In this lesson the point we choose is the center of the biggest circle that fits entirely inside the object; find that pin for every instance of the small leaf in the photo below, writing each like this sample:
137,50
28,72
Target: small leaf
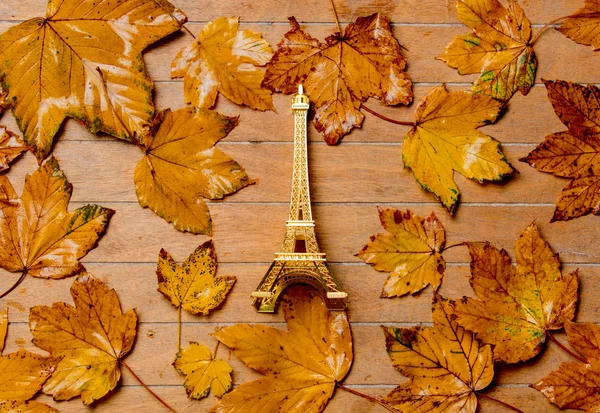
445,139
338,75
38,234
203,373
84,61
445,363
224,60
410,251
498,48
193,286
22,374
575,153
11,147
516,306
292,379
92,338
583,25
181,167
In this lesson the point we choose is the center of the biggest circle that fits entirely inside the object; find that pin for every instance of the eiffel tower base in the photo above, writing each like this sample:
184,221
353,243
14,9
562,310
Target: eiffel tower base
283,273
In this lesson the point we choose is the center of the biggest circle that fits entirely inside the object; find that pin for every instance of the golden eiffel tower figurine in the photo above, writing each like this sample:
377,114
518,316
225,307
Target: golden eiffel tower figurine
299,260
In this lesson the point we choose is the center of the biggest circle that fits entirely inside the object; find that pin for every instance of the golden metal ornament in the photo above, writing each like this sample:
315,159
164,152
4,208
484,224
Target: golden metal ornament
299,260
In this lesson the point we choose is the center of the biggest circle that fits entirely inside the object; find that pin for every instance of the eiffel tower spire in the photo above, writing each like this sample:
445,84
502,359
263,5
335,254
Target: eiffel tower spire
299,260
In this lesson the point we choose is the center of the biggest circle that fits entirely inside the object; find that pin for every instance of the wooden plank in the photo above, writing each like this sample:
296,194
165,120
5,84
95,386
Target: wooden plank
399,11
527,120
156,346
136,284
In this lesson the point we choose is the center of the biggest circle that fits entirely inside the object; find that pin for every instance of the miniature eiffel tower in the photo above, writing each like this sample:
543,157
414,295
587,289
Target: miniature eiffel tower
299,260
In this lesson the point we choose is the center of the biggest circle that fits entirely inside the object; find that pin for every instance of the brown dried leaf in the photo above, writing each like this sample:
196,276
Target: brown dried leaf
338,75
583,26
575,153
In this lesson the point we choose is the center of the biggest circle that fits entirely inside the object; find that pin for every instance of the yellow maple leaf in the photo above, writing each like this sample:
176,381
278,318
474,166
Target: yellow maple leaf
3,328
445,363
15,406
445,139
516,306
410,250
22,374
582,26
576,385
37,233
92,338
181,166
294,381
203,373
193,285
499,48
84,61
338,75
224,60
11,147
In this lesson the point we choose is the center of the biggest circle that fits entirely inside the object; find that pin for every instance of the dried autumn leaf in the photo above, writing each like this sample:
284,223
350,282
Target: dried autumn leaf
181,166
22,374
37,233
445,139
84,61
294,381
583,25
203,373
410,250
498,48
193,285
226,60
11,147
445,363
366,61
516,306
576,385
3,328
575,153
92,338
15,406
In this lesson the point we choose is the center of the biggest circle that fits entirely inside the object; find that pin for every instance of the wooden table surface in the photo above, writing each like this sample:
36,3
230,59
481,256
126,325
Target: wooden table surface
348,182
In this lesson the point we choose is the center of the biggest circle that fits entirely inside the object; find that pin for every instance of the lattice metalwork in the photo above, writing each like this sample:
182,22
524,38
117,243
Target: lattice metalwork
300,260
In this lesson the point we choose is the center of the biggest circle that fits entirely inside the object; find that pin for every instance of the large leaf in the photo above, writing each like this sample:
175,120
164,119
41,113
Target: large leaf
583,26
193,285
516,306
84,61
37,233
410,250
445,139
575,153
224,60
498,48
445,363
181,167
338,75
300,366
91,338
203,373
576,385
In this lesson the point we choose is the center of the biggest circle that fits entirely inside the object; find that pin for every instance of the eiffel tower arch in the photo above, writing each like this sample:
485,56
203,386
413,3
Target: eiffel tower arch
299,260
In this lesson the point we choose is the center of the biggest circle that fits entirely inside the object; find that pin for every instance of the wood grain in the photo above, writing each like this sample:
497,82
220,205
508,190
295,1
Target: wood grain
348,182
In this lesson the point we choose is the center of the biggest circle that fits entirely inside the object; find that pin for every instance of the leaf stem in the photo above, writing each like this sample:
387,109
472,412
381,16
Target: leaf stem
337,21
366,396
562,346
455,245
385,118
184,27
559,19
145,386
216,348
179,329
15,285
510,406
